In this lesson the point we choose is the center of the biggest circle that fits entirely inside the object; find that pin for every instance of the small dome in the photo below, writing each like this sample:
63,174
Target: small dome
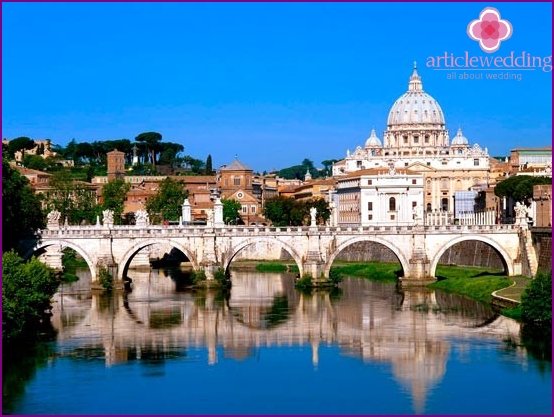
373,140
460,139
415,106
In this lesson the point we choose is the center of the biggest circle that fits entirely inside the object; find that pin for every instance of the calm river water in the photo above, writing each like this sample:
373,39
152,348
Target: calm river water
266,348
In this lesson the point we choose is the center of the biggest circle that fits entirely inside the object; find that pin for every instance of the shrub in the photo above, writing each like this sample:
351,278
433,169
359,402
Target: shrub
335,276
304,282
27,288
536,301
106,279
198,275
221,276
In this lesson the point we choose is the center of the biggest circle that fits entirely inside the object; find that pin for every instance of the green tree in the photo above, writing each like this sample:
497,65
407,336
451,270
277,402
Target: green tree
536,301
35,162
209,168
113,195
231,211
61,195
27,288
84,151
284,211
519,187
70,149
328,166
169,153
22,144
152,141
21,208
75,201
167,203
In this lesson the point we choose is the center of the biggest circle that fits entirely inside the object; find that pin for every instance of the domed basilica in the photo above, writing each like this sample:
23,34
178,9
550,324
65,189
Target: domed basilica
416,143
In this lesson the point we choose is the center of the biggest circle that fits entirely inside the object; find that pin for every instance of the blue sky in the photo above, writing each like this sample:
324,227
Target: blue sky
273,83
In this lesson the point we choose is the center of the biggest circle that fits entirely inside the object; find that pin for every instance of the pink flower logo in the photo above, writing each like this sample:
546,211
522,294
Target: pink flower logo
490,30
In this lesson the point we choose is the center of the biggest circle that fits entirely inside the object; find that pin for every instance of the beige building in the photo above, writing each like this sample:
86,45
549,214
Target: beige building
529,160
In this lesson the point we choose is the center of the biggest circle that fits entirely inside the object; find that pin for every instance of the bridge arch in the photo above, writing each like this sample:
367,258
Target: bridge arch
504,256
397,252
253,240
65,244
132,251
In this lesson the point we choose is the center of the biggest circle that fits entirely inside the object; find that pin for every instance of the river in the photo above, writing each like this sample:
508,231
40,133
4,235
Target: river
266,348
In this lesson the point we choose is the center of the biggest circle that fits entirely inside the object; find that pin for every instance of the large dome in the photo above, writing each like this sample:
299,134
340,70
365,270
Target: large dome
416,107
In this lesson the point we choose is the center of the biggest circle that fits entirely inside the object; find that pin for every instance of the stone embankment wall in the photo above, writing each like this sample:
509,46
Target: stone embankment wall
470,253
542,241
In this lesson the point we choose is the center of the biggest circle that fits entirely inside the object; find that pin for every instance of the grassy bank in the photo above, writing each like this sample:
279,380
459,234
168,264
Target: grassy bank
376,271
475,283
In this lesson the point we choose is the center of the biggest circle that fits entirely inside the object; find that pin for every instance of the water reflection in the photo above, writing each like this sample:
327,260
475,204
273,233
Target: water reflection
376,322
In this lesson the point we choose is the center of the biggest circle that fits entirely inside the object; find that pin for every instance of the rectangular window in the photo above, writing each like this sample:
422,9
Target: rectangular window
369,182
370,206
416,139
414,204
414,181
476,162
236,181
244,209
370,216
253,209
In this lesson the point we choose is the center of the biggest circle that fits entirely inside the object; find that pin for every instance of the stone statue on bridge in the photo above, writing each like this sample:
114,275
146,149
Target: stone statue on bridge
53,219
107,219
521,214
313,213
417,214
142,218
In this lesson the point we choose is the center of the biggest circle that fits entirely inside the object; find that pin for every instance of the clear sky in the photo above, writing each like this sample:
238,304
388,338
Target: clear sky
273,83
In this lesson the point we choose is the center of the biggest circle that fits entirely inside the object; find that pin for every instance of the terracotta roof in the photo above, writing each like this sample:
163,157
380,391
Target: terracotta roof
236,165
28,171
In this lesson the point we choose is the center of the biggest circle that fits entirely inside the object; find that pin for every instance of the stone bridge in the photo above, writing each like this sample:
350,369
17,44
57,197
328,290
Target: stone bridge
418,248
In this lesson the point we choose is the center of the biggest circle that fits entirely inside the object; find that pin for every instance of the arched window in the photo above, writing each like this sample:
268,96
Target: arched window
444,204
429,209
392,204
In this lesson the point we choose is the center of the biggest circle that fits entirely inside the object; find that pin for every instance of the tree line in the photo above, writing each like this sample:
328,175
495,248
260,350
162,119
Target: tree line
148,147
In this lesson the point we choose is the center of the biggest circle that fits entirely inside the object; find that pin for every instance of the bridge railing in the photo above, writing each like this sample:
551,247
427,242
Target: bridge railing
180,231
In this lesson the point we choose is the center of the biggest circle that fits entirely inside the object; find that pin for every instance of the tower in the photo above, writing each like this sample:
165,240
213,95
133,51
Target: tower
116,164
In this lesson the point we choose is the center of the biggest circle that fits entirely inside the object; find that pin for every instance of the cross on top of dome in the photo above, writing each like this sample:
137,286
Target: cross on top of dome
415,81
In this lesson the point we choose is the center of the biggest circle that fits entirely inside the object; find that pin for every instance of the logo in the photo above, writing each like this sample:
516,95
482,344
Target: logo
490,30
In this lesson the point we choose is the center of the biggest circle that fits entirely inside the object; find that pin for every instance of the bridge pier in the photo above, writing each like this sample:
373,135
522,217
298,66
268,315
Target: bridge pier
419,271
53,257
314,265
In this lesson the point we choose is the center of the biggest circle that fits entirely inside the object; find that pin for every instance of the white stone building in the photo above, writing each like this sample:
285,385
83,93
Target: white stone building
416,139
380,196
